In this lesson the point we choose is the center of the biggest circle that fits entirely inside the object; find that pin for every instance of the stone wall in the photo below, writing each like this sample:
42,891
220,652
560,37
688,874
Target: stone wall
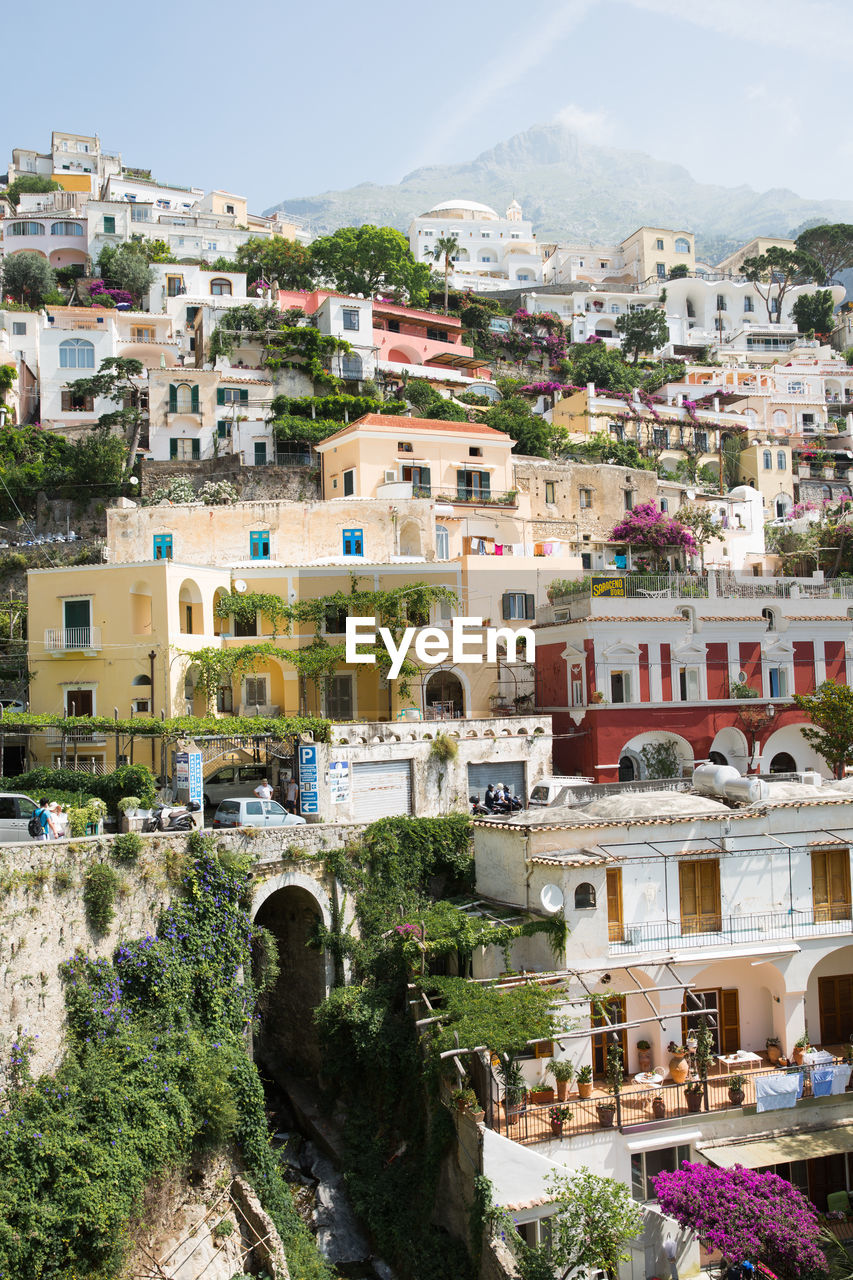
43,920
253,484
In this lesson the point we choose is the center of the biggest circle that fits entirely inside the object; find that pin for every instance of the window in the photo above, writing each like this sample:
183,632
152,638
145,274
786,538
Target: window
339,698
351,319
699,896
76,353
646,1165
259,544
19,328
748,304
664,504
229,208
660,268
220,288
471,485
682,245
225,698
620,686
585,498
349,483
352,367
577,693
688,684
260,453
140,214
175,285
25,229
109,224
768,460
403,446
808,422
232,395
66,229
353,540
770,618
661,437
420,479
74,402
335,622
185,450
659,245
550,491
474,451
701,440
584,897
517,606
629,499
831,884
393,326
183,398
781,461
778,678
211,246
436,335
442,542
255,691
485,235
721,302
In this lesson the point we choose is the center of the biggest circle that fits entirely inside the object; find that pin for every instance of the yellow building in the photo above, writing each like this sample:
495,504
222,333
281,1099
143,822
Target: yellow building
754,249
766,465
650,253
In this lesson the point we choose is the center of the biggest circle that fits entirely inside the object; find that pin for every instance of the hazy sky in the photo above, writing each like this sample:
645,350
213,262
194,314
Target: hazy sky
283,99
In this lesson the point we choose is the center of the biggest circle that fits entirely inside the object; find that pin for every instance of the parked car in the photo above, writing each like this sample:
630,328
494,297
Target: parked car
240,811
233,780
15,813
555,790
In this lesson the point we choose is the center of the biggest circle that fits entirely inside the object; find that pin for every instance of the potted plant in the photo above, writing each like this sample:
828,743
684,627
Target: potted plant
800,1047
541,1094
614,1076
558,1116
563,1072
658,1106
693,1093
464,1097
736,1084
606,1112
644,1055
584,1079
515,1089
678,1064
773,1045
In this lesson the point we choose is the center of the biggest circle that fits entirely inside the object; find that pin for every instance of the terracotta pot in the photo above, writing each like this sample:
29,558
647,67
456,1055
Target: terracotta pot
584,1088
658,1108
606,1116
774,1053
557,1128
644,1057
736,1096
797,1056
477,1116
694,1101
563,1087
541,1097
678,1069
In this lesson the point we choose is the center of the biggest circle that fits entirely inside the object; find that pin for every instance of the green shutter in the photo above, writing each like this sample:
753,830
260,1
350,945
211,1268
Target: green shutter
426,482
461,486
173,398
505,605
485,484
173,448
220,395
529,606
244,395
194,400
196,446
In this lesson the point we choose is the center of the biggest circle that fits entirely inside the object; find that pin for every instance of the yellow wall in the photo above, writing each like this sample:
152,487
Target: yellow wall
641,250
770,484
74,181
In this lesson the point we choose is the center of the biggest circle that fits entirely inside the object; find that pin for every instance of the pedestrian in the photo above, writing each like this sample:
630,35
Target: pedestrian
291,795
42,819
263,790
489,798
54,821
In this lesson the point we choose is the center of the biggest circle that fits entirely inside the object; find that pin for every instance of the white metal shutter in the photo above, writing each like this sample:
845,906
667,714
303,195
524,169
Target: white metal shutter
382,789
512,772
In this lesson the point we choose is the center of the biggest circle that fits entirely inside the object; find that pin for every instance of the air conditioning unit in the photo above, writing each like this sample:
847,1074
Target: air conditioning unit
390,477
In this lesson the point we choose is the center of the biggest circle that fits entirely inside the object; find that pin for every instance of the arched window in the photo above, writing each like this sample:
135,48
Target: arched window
184,397
780,418
826,492
783,762
664,504
486,257
442,542
66,229
781,461
584,897
768,460
770,618
682,245
220,288
351,367
76,353
25,229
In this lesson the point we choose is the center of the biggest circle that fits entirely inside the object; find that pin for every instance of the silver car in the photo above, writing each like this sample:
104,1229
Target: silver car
251,812
15,813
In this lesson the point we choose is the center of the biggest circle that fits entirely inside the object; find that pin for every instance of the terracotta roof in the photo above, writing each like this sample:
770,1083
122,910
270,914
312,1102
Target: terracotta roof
391,422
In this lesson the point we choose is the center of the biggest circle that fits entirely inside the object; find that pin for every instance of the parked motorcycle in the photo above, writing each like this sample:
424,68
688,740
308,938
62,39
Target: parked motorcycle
477,809
167,817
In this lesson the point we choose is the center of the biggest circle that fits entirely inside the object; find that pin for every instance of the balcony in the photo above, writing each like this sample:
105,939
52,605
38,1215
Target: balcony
75,737
72,639
731,931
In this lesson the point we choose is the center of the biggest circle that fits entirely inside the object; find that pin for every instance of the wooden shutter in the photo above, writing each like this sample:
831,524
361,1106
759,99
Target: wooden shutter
699,896
173,398
615,923
728,1020
831,884
173,448
529,606
66,401
220,395
835,997
194,399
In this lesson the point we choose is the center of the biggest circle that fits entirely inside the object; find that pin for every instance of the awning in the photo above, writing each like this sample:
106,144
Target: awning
457,361
805,1144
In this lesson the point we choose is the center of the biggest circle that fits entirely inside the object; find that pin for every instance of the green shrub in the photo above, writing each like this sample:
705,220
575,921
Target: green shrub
100,888
443,748
127,847
135,780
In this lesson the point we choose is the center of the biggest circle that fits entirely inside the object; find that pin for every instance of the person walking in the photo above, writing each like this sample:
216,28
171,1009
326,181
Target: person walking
42,818
263,790
291,795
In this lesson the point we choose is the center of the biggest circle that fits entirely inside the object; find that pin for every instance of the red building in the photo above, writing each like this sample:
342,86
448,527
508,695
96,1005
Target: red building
666,663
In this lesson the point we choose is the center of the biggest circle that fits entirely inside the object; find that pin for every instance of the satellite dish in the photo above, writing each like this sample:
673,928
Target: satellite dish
691,493
551,898
240,586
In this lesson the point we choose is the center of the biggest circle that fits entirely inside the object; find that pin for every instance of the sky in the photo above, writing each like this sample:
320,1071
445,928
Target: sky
291,99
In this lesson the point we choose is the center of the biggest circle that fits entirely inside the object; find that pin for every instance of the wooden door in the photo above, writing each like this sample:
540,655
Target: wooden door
826,1174
835,999
729,1020
79,702
615,921
699,896
601,1043
831,884
725,1033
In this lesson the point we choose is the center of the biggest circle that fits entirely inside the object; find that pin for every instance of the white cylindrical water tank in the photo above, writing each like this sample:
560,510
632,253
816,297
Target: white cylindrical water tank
747,790
712,778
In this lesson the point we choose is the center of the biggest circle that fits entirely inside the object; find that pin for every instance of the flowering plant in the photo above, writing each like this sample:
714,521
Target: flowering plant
648,527
559,1115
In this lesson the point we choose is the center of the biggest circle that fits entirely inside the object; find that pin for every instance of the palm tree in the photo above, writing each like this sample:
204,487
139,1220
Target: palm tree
445,247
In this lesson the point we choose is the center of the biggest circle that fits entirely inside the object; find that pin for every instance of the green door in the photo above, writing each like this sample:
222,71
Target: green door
78,623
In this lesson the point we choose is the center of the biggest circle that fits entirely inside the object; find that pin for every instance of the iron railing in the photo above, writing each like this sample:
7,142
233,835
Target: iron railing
68,638
657,935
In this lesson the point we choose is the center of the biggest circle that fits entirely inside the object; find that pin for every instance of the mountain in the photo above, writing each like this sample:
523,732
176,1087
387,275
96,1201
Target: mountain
573,190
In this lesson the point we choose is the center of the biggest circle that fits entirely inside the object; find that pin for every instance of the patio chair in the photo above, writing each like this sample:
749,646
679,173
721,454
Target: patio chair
838,1202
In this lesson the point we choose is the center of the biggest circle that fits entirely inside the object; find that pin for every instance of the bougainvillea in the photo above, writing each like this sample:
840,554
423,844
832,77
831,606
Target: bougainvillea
652,530
745,1215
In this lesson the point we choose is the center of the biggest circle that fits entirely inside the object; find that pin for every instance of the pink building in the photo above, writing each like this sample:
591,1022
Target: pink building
405,336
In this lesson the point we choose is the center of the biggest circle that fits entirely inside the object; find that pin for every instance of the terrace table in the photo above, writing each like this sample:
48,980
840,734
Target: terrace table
648,1080
743,1058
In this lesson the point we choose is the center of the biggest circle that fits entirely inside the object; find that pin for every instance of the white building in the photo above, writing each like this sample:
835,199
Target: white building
591,311
731,315
75,160
492,250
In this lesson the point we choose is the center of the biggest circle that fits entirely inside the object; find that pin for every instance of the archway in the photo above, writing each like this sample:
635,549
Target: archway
783,762
410,539
730,747
286,1036
627,769
190,608
444,696
790,740
677,748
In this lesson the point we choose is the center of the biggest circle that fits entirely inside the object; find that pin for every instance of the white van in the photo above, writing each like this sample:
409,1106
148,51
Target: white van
15,813
231,780
555,790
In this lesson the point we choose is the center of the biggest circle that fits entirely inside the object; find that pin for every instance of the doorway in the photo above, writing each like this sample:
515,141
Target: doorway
615,1008
835,1001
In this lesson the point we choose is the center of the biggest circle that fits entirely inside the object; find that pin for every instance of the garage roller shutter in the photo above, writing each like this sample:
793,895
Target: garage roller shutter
511,772
382,789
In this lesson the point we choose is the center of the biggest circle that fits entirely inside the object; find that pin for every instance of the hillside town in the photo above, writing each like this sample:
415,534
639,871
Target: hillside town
426,711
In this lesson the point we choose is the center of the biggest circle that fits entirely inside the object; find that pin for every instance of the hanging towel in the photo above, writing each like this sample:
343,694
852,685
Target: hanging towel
499,550
840,1077
822,1080
548,548
775,1092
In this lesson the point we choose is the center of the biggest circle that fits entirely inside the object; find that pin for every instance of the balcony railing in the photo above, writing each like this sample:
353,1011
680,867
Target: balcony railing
293,457
678,586
53,737
66,639
662,935
471,497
